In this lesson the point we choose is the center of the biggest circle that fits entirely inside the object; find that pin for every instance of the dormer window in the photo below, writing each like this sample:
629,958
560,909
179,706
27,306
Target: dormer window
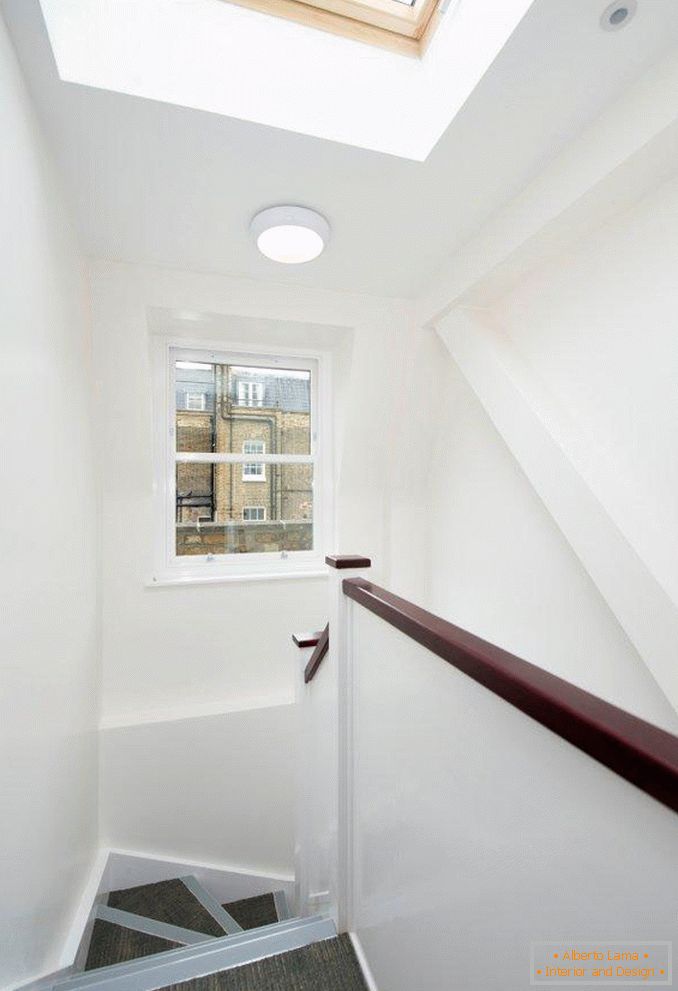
250,394
196,401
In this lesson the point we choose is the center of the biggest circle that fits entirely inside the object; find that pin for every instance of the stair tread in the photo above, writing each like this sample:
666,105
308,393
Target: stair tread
111,944
258,910
330,965
167,901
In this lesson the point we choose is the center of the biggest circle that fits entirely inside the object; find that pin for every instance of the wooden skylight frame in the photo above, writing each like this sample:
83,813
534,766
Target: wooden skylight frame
393,24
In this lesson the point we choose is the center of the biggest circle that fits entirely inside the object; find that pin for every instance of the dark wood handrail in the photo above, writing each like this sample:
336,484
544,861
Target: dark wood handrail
635,749
321,641
344,561
316,657
307,639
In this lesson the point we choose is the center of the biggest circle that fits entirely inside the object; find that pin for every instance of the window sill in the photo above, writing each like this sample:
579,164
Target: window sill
169,580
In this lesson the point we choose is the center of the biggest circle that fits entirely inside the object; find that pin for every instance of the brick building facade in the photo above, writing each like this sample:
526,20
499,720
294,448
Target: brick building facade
231,508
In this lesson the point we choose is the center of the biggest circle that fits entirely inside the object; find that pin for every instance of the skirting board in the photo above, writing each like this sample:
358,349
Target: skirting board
78,931
83,919
362,960
44,983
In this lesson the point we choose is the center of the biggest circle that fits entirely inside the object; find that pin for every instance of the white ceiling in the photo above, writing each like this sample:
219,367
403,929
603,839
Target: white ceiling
160,184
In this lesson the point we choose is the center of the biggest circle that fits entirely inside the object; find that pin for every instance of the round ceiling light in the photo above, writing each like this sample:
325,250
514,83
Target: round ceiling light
617,15
291,235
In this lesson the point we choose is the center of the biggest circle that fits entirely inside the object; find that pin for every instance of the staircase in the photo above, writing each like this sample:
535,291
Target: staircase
174,932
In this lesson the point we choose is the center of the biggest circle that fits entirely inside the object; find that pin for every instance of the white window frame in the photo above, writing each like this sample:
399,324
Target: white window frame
254,477
168,568
203,402
247,396
259,509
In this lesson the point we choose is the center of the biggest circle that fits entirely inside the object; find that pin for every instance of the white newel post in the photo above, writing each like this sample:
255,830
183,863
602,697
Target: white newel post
323,844
341,568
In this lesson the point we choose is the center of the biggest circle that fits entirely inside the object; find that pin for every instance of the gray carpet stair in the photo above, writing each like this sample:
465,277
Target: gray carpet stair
168,935
252,912
185,964
329,965
167,901
111,944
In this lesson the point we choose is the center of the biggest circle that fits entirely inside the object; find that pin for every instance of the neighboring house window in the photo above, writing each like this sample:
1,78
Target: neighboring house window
196,400
264,419
254,514
253,472
250,394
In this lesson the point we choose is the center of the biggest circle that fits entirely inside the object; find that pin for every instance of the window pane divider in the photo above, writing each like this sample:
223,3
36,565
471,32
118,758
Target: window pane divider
212,457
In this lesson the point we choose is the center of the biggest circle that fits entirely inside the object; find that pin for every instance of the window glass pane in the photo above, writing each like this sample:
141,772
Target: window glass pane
221,407
196,401
254,514
218,512
195,493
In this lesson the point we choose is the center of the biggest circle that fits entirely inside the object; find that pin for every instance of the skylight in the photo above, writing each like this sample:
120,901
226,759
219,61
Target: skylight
403,26
276,71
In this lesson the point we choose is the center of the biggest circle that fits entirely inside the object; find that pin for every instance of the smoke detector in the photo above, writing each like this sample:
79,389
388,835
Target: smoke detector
617,15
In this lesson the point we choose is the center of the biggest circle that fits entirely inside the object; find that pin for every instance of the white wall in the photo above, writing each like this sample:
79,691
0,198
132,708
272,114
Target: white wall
576,367
171,651
469,538
597,326
175,657
501,568
558,313
410,478
215,789
49,632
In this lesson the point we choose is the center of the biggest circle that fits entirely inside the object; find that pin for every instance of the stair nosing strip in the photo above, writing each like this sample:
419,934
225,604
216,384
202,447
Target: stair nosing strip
152,927
183,953
160,973
211,905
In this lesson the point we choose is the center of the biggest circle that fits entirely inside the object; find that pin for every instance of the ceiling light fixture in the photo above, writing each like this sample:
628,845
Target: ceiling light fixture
617,15
291,235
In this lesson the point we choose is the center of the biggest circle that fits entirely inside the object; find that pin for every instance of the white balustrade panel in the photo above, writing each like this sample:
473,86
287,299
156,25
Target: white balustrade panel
476,831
